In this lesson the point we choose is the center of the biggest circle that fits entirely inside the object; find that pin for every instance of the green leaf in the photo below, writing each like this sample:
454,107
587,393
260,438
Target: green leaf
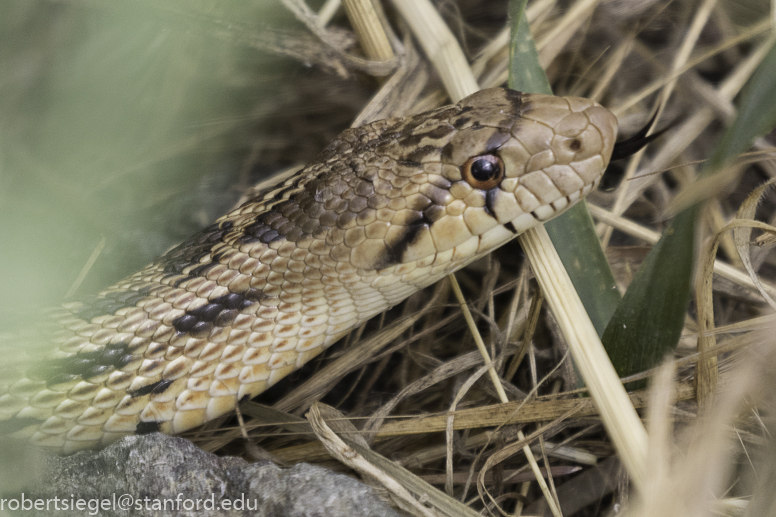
648,321
756,114
574,236
572,233
525,72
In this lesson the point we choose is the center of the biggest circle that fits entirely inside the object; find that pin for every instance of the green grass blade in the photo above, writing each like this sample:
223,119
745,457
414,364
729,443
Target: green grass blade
578,246
756,114
525,72
572,233
648,321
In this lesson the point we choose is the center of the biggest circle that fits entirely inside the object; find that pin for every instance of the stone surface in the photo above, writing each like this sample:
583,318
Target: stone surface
138,475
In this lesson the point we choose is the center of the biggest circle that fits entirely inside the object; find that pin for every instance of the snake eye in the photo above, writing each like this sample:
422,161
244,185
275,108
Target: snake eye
483,172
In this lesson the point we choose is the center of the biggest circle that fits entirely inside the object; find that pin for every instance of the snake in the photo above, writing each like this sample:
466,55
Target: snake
385,210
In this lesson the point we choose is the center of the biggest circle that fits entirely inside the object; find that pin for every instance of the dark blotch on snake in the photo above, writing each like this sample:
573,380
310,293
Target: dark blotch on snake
490,201
433,214
207,312
201,330
220,311
225,318
147,427
407,239
409,163
418,154
203,269
154,388
438,132
462,121
264,227
184,323
496,140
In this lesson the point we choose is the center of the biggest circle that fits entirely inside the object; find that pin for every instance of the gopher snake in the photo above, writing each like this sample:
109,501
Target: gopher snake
385,210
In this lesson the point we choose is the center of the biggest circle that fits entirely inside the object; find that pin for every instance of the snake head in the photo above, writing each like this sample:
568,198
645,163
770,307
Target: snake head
459,181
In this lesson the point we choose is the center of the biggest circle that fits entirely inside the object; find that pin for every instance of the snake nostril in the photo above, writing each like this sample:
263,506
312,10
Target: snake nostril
575,144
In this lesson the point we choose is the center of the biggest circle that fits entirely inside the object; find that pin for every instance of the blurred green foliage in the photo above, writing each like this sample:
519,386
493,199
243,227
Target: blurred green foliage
123,120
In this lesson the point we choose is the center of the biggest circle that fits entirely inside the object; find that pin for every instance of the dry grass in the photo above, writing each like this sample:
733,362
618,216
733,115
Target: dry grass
410,385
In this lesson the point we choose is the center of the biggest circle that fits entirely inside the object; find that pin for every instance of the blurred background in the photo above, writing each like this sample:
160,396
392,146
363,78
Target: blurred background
127,126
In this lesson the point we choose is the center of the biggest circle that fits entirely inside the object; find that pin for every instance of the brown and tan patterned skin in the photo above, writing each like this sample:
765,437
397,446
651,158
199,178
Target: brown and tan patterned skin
384,211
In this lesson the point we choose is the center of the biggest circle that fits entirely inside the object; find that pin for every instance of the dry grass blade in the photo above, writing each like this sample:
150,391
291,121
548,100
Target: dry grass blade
511,413
705,188
304,395
659,425
400,482
399,93
509,476
751,33
369,29
506,452
706,373
327,11
347,455
688,43
551,43
478,340
688,131
618,414
445,371
742,230
85,270
552,503
693,482
440,46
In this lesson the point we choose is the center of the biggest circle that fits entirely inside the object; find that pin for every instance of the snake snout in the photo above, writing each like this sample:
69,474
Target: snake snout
559,149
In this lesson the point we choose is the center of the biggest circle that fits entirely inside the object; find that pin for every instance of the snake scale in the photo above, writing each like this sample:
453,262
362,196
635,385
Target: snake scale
385,210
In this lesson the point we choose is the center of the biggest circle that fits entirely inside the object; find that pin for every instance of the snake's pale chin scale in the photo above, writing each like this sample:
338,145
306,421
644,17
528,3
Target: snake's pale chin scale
493,238
384,211
523,222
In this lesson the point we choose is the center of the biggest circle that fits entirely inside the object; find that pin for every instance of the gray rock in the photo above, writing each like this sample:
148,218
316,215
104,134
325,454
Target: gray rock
138,475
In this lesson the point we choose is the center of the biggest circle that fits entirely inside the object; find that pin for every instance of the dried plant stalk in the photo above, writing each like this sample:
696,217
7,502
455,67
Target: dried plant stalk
369,29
